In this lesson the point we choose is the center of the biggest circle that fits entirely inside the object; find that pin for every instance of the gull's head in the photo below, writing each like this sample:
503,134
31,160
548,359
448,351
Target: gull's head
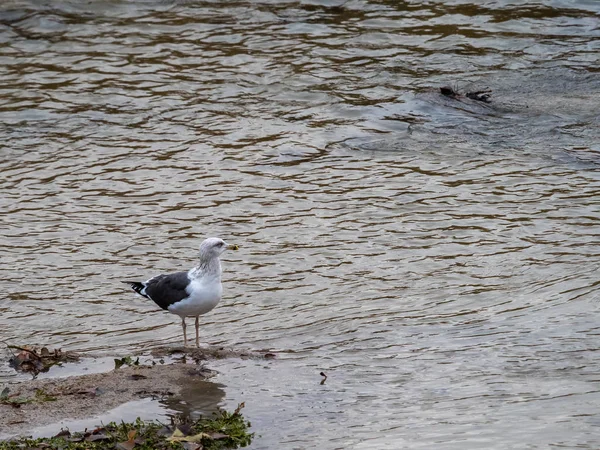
213,247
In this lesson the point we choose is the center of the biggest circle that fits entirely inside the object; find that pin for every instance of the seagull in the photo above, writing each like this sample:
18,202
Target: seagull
191,293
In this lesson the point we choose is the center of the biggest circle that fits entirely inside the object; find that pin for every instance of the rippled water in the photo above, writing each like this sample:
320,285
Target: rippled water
436,257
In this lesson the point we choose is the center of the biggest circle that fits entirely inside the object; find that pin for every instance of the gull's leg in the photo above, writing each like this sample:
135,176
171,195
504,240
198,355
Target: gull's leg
197,338
184,334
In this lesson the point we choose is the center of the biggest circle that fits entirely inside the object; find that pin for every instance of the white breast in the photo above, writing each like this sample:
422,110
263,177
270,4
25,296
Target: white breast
204,295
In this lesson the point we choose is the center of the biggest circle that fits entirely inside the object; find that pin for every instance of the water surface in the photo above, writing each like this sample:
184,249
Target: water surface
437,258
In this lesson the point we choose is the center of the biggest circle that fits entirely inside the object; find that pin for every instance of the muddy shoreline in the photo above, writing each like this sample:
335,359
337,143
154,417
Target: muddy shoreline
166,372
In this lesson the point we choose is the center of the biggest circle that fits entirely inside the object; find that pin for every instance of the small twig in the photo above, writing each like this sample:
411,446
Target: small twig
324,379
31,352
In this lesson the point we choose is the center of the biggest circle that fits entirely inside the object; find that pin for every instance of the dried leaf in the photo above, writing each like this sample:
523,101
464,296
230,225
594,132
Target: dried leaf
216,435
195,438
176,436
30,359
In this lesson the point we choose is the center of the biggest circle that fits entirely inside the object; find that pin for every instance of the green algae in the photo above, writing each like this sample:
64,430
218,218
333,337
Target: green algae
223,430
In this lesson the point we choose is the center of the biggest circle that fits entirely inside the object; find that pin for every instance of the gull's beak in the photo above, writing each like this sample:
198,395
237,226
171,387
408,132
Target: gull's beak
232,247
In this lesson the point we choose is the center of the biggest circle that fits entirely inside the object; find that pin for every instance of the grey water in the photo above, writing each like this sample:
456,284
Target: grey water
436,257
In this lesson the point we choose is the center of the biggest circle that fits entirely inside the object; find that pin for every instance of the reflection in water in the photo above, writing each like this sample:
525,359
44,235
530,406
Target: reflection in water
196,398
437,258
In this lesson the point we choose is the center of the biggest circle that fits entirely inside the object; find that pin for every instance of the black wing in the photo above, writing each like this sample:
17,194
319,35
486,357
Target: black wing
164,290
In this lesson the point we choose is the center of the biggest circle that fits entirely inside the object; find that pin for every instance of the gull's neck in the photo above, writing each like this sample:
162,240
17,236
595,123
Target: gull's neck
208,267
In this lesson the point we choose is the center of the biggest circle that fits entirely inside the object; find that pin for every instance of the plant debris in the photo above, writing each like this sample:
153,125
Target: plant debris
222,431
129,443
484,95
199,355
12,400
449,91
127,360
36,360
16,401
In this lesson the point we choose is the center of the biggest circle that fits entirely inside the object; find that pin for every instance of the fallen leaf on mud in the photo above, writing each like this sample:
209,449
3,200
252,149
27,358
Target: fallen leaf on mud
129,443
192,446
